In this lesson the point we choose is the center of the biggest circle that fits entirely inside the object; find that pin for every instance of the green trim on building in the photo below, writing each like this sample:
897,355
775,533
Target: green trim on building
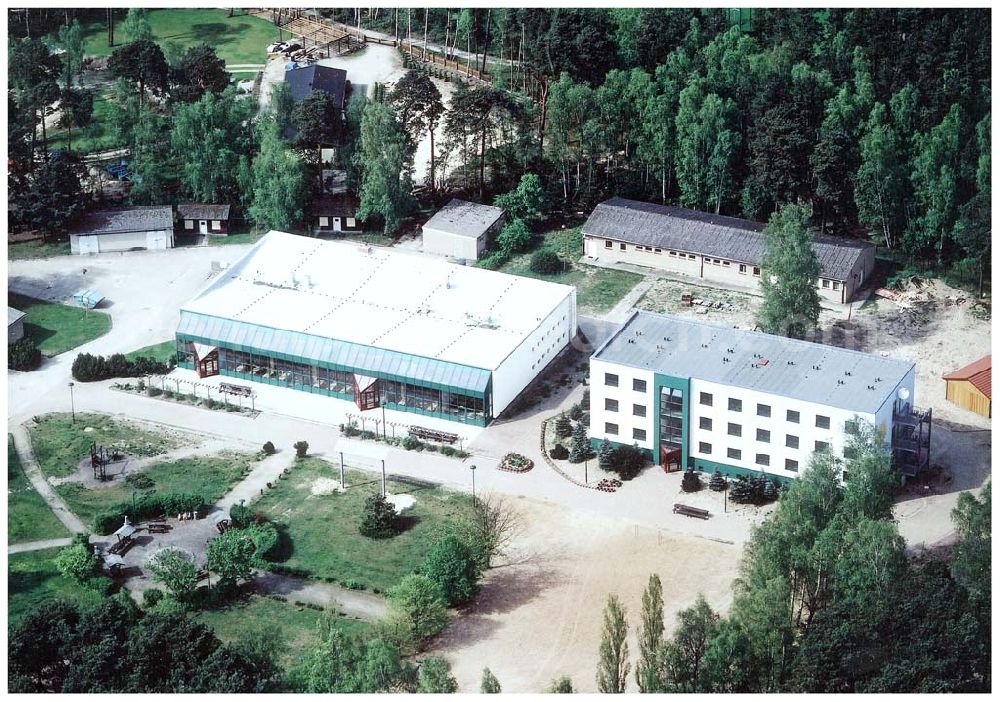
596,443
706,466
684,384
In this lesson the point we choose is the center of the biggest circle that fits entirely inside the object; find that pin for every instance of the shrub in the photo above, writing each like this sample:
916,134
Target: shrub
152,504
627,461
241,516
368,434
87,368
563,427
417,603
741,491
101,584
353,585
434,677
151,597
452,566
301,447
545,262
585,402
717,482
268,448
411,443
177,573
265,539
770,491
559,452
691,482
153,392
561,685
77,562
448,450
350,429
380,520
139,481
576,413
23,355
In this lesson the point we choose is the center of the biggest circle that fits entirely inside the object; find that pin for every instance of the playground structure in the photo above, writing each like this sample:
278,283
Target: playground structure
100,457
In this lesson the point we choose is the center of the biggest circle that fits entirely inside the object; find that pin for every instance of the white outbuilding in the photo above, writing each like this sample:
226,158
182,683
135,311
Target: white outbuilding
462,230
128,229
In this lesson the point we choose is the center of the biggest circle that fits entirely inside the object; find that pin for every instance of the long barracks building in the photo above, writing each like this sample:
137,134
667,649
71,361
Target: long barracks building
376,326
697,395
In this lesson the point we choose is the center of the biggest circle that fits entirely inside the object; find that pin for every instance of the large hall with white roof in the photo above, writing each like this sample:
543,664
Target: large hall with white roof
376,326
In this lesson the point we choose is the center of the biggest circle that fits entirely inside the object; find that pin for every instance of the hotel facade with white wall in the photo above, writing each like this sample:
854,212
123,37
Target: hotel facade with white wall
697,395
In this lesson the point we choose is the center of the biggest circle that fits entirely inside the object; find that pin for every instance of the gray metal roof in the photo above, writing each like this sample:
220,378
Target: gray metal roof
465,218
198,210
131,219
681,229
802,370
13,315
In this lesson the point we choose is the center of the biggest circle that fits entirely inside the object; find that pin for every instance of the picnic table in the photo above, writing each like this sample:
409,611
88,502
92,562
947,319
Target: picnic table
158,528
688,511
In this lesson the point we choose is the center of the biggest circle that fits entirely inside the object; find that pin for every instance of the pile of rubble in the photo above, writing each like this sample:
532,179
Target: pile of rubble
711,305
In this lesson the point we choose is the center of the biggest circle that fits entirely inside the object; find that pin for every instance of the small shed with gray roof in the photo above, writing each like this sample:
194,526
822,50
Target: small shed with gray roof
201,218
128,229
15,325
714,247
462,230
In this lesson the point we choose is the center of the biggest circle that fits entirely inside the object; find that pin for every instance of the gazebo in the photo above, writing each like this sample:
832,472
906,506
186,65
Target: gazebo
124,534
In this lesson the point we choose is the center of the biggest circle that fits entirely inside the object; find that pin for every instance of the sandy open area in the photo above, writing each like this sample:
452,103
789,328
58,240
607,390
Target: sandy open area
540,618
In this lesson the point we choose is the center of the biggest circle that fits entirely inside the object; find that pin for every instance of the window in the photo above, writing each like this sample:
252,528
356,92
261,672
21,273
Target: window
324,221
608,244
657,250
610,405
743,268
826,283
639,434
735,405
734,430
706,399
763,459
822,422
822,446
791,442
792,416
638,385
621,246
791,465
610,428
351,222
189,224
638,410
705,423
850,452
735,454
851,427
764,436
763,410
611,380
836,285
216,225
725,263
756,271
704,447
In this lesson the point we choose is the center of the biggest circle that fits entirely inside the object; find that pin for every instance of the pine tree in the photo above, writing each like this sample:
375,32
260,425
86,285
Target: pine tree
770,492
741,491
563,427
613,665
691,482
575,412
604,452
490,685
585,401
648,670
580,449
717,483
790,272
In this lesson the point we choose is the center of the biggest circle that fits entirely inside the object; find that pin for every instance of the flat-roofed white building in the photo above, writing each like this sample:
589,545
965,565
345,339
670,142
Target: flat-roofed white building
377,326
710,397
462,229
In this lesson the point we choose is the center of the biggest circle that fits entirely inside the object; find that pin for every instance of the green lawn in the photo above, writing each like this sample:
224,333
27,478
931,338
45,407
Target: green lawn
27,250
208,476
28,517
158,352
296,627
60,445
57,328
96,136
32,578
237,40
239,238
323,529
597,289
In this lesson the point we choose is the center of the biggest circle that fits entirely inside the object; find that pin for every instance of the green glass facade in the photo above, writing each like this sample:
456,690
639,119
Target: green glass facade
665,425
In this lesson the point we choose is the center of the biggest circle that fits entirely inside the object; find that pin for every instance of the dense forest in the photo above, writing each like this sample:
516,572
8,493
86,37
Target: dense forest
877,120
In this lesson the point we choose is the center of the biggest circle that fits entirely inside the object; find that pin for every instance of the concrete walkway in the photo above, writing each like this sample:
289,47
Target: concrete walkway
353,603
620,312
38,545
22,445
252,486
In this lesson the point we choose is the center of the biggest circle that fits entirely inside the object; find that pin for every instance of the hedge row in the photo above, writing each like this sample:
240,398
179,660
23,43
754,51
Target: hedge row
87,367
152,504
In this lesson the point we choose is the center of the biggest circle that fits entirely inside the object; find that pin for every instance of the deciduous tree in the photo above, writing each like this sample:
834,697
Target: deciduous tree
613,665
789,273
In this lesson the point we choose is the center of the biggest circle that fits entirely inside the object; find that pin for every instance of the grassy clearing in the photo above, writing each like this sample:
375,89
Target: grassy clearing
32,579
209,476
29,250
159,352
237,40
96,136
28,517
323,529
239,238
60,445
57,328
296,627
597,289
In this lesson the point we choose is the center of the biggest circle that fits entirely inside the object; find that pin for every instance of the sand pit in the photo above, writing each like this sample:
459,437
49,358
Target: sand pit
540,617
325,486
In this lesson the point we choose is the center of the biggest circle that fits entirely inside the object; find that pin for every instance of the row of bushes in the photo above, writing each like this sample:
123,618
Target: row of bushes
87,367
410,443
152,504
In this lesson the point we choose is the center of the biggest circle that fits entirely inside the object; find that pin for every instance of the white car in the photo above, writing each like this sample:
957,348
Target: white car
276,47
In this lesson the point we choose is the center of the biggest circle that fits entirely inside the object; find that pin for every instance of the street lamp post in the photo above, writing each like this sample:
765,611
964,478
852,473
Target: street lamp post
725,497
473,469
72,407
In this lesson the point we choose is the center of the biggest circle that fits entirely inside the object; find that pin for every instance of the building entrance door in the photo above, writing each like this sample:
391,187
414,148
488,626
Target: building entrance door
203,226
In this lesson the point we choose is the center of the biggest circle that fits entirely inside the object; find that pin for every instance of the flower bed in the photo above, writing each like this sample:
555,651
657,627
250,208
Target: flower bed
516,463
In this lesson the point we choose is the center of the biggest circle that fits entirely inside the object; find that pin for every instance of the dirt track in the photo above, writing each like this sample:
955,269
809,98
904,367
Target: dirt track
541,617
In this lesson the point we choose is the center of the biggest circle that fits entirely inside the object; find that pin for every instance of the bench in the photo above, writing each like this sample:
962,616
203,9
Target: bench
691,511
433,435
158,528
